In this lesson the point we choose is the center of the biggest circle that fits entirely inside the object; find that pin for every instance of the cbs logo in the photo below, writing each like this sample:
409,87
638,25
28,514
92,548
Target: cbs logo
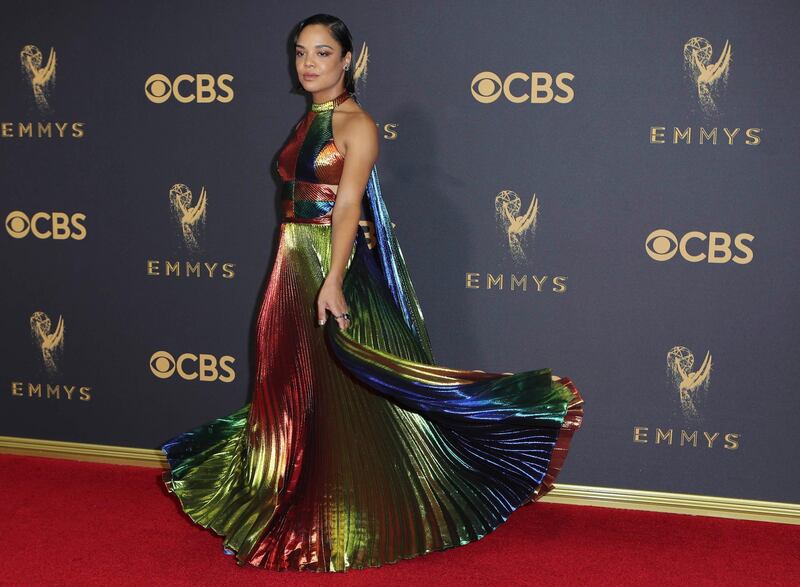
203,88
696,246
536,87
189,366
55,225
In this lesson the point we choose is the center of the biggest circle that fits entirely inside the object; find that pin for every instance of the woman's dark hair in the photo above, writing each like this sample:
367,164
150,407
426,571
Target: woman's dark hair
340,32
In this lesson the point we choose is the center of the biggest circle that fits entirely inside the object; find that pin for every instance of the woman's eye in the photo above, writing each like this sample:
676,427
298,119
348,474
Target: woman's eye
324,54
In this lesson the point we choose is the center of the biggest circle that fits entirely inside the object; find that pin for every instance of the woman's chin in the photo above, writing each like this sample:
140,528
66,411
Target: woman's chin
310,85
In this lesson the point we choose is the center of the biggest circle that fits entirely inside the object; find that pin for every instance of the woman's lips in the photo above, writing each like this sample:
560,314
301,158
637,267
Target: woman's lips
310,76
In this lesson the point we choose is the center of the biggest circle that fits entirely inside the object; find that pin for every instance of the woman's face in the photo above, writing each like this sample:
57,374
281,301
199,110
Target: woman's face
318,59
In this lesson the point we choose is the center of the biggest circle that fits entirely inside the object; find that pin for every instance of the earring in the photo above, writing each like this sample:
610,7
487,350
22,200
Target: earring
347,67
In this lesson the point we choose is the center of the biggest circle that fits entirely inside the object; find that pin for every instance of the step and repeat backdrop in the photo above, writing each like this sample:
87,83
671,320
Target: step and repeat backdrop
607,189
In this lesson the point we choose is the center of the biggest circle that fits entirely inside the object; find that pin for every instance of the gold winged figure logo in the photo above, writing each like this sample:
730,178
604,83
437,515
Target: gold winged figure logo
360,70
40,78
191,218
517,227
708,76
50,343
689,382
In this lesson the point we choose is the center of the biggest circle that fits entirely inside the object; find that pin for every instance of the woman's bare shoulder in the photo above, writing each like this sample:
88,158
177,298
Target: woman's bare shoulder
355,122
354,114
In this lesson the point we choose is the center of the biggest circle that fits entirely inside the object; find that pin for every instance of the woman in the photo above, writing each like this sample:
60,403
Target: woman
355,450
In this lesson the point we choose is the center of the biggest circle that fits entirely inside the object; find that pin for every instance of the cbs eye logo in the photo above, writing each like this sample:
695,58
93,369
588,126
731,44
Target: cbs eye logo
536,87
188,366
202,88
696,246
46,225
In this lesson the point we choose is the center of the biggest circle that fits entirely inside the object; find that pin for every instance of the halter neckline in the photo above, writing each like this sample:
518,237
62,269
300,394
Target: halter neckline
330,104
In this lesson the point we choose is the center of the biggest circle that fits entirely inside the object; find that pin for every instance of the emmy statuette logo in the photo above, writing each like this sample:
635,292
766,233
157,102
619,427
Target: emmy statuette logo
192,219
360,69
517,223
708,77
388,130
41,78
50,341
689,382
517,226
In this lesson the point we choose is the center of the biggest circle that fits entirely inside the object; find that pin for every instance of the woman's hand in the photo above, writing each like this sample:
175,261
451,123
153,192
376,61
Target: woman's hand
331,298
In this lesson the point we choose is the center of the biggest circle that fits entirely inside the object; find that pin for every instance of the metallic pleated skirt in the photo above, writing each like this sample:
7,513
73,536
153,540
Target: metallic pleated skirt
353,450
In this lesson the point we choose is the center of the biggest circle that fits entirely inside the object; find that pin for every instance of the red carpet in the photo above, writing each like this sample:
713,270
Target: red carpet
71,523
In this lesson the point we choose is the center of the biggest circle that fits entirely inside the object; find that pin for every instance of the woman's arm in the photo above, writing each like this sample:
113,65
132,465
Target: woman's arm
359,138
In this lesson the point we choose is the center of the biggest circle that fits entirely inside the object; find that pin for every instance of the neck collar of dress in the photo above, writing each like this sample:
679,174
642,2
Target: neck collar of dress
330,104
